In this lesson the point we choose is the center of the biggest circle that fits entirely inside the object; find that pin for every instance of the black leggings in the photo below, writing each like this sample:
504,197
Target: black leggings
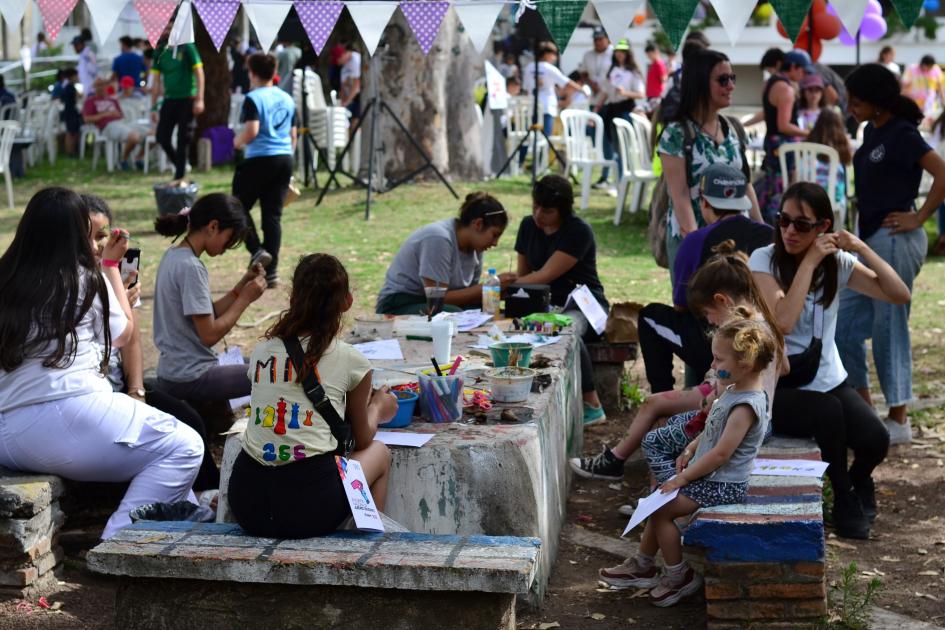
298,500
665,331
836,419
265,179
176,112
208,477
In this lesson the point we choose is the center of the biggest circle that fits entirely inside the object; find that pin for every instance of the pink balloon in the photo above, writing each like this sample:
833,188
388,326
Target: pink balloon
873,27
845,38
873,7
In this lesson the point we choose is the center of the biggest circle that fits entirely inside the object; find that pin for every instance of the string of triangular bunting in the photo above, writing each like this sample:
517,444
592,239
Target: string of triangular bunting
424,17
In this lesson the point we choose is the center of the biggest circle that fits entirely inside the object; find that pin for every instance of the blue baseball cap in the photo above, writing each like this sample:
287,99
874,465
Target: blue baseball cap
798,57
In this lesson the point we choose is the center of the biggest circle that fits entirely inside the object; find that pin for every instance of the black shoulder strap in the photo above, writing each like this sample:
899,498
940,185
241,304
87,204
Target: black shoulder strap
742,141
340,429
689,141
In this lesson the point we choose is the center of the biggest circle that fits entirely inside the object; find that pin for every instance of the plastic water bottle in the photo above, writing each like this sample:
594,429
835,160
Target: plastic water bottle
491,294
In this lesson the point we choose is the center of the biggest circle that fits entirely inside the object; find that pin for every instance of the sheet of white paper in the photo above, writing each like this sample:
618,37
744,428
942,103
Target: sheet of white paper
585,300
363,508
467,320
647,506
391,438
789,467
233,356
383,350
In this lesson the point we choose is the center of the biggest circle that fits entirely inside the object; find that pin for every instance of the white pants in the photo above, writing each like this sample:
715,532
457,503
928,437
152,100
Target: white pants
105,436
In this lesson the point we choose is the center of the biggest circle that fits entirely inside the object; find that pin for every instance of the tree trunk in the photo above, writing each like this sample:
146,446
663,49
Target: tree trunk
216,84
433,96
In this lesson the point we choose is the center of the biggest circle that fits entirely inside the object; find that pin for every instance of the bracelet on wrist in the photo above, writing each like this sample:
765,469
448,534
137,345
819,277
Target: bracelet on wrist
111,263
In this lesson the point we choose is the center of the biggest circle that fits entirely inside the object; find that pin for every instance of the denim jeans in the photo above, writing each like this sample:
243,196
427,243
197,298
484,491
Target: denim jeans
887,324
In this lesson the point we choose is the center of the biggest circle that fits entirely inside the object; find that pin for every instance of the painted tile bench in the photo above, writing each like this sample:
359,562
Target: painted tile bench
187,575
763,560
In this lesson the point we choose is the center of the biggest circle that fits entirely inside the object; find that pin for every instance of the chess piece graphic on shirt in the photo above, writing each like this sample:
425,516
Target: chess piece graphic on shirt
280,422
308,418
258,421
294,422
269,415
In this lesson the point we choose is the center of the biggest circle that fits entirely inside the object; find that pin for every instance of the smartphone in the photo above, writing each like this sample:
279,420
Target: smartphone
130,262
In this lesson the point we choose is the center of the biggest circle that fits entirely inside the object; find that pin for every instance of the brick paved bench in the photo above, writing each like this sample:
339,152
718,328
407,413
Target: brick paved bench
186,575
763,560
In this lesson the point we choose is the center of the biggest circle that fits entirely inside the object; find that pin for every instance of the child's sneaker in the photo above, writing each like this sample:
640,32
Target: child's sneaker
593,415
604,465
670,590
629,574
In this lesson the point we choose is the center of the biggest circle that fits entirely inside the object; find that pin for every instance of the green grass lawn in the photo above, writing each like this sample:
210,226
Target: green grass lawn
367,247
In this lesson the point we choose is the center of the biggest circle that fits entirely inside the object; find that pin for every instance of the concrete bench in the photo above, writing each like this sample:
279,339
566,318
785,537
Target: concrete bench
186,575
608,360
763,559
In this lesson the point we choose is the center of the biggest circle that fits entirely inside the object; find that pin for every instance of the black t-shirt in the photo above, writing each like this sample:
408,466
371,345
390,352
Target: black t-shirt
887,172
575,238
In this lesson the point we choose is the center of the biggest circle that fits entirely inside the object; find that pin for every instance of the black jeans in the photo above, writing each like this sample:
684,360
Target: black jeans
265,179
297,500
208,477
836,419
176,112
664,332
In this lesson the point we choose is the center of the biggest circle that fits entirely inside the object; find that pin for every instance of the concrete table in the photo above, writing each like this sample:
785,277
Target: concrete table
494,479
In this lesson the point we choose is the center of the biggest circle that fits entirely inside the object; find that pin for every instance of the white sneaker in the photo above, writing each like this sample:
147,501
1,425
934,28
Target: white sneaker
601,185
898,433
626,510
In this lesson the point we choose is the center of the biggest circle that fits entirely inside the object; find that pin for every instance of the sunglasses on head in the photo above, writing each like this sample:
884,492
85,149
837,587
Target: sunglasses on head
725,79
800,224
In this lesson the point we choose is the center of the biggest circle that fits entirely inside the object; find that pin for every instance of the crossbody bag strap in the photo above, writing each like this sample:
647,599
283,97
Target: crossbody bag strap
313,389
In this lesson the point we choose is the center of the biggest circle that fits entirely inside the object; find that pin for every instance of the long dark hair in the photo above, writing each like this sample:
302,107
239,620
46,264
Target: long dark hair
877,85
629,62
784,265
695,90
316,307
225,209
49,279
829,131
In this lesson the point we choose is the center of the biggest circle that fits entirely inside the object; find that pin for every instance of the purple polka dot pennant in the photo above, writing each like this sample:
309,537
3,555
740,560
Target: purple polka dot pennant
318,18
217,16
424,17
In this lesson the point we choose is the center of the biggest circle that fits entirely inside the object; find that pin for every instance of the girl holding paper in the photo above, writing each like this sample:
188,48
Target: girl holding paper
557,248
286,481
714,468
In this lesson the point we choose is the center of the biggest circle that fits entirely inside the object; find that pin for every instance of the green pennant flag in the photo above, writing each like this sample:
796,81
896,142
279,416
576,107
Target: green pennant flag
792,14
561,16
908,10
674,17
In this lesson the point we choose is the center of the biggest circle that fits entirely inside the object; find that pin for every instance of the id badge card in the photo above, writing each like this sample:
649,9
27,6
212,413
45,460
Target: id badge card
363,509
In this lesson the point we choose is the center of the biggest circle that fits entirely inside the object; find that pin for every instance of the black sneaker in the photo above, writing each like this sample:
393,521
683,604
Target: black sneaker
605,465
272,280
849,521
866,491
262,257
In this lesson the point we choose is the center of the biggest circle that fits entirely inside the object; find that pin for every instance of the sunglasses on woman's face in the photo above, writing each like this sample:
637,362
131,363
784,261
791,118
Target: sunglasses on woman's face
800,224
725,79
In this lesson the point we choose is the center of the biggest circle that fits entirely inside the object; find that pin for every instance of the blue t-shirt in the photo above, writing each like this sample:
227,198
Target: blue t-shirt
129,64
275,111
887,172
696,248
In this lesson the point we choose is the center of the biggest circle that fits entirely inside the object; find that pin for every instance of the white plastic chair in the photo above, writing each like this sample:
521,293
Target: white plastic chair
8,131
584,153
636,166
807,156
519,115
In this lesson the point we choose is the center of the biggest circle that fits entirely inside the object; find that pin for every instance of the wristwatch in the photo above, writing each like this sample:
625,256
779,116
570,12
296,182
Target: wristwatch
139,391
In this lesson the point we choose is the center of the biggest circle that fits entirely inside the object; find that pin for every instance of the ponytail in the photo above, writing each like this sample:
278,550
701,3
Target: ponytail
875,84
905,108
225,209
482,205
751,342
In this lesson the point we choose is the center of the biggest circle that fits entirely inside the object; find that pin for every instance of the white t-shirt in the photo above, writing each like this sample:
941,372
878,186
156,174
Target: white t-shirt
831,373
549,76
596,64
625,79
31,383
352,68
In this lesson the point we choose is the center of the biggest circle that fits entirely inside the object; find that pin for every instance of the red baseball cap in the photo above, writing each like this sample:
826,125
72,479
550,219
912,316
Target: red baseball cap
336,53
126,82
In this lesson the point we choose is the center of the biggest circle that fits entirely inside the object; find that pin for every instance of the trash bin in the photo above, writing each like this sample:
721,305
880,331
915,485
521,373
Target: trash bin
172,199
179,511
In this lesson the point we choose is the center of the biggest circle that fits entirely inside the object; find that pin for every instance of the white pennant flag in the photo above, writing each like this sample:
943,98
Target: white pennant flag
267,19
616,15
851,13
12,11
478,20
733,16
104,15
183,30
371,18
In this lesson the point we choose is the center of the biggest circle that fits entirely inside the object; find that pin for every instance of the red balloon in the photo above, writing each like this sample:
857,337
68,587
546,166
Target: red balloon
803,41
781,29
827,26
820,6
817,49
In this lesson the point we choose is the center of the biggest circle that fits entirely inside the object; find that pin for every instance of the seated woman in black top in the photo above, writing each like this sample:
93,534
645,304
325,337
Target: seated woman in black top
557,248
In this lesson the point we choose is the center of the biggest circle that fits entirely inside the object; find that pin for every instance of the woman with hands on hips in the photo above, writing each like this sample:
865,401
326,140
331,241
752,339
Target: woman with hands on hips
888,168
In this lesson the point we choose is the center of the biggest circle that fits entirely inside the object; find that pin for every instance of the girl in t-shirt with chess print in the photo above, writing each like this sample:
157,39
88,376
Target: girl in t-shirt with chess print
285,482
188,322
714,468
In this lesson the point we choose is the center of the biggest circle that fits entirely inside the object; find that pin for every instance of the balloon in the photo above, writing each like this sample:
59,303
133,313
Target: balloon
826,26
817,49
819,6
931,5
781,29
873,7
638,19
763,12
803,41
846,39
873,27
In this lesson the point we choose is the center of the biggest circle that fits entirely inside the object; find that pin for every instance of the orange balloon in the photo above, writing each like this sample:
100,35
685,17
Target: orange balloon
827,26
639,19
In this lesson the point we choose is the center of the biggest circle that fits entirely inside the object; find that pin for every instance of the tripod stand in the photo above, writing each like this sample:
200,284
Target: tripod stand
375,107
